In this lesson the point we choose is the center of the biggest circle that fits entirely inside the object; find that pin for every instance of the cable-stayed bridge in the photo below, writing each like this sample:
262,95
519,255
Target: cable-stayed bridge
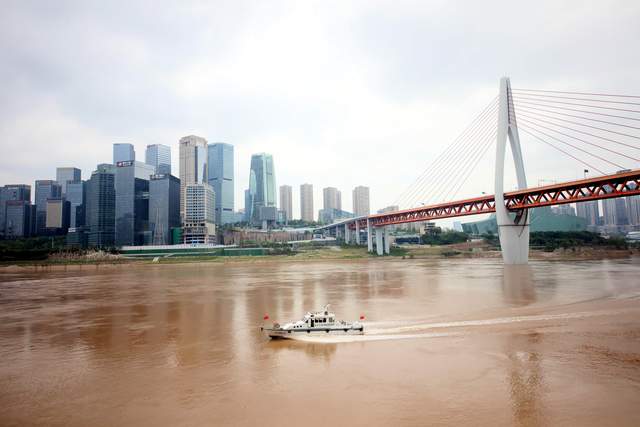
599,131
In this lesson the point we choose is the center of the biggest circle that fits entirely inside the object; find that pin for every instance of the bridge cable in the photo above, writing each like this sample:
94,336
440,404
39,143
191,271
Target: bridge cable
574,93
568,154
475,164
526,107
462,137
607,101
551,101
527,103
582,124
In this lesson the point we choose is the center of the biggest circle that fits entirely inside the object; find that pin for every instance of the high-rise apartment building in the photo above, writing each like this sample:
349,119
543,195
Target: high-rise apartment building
198,225
286,202
101,206
220,176
332,198
158,156
132,203
64,175
361,201
19,192
45,189
123,153
306,202
193,165
164,207
589,211
614,211
633,210
263,172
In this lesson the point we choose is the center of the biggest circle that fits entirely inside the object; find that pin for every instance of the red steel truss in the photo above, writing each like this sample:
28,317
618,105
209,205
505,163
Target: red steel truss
603,187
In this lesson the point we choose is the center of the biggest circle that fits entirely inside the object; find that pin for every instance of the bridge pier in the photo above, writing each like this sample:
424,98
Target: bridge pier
369,236
347,234
379,243
357,233
513,231
387,243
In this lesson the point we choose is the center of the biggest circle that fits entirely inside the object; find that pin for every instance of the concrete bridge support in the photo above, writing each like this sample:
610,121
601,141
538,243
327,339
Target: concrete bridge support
379,242
357,233
369,236
387,241
513,231
347,234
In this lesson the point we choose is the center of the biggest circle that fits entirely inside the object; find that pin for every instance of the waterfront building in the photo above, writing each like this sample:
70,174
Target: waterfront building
589,211
391,208
262,168
332,198
57,220
329,216
361,201
199,218
20,192
158,156
45,189
614,212
132,203
633,210
193,165
542,219
566,209
101,207
76,194
123,153
286,203
164,207
306,202
64,175
220,177
18,219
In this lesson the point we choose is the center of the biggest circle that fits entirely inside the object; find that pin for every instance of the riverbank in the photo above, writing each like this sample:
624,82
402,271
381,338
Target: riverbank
467,250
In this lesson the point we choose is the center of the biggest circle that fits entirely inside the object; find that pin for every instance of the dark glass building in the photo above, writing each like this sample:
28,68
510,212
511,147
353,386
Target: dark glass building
101,207
20,192
164,207
76,193
18,219
132,203
64,175
45,189
220,176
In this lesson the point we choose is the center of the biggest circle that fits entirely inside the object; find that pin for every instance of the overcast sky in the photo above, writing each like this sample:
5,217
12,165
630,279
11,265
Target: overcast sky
342,93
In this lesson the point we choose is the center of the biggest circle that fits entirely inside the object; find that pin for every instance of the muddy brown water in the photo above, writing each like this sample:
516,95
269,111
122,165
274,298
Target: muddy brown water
448,342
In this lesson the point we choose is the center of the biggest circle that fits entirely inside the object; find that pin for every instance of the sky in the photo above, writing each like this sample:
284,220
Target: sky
341,93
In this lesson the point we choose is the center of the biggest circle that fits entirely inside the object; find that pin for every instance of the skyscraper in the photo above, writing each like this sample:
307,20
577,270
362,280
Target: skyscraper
45,189
332,198
220,177
132,203
20,192
265,179
193,165
306,202
158,156
198,225
589,211
18,219
57,216
76,194
633,210
164,207
101,206
286,202
64,175
123,153
614,211
361,201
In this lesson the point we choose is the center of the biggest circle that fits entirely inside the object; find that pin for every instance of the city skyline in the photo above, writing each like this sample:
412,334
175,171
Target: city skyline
395,89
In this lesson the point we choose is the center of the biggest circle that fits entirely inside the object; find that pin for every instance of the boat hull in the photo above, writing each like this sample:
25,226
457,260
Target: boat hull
279,333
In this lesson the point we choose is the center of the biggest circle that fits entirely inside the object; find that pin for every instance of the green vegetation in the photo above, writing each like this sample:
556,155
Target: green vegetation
551,240
439,237
35,248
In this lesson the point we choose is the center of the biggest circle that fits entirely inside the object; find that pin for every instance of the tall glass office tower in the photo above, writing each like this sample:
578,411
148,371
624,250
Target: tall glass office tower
132,203
164,207
265,179
123,153
20,192
45,189
101,206
220,177
75,195
193,165
159,156
64,175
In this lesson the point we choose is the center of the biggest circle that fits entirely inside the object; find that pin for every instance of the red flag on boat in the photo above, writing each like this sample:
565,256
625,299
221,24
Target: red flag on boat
362,317
266,317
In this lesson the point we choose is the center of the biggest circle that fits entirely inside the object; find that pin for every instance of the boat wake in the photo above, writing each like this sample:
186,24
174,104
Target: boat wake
383,331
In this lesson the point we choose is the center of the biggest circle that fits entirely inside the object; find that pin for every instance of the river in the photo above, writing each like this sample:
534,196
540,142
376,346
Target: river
448,342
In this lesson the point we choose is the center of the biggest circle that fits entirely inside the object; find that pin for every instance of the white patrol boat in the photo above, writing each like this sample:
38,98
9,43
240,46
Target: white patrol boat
317,323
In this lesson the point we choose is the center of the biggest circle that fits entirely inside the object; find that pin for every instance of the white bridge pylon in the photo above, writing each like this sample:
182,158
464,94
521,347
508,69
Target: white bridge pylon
513,231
